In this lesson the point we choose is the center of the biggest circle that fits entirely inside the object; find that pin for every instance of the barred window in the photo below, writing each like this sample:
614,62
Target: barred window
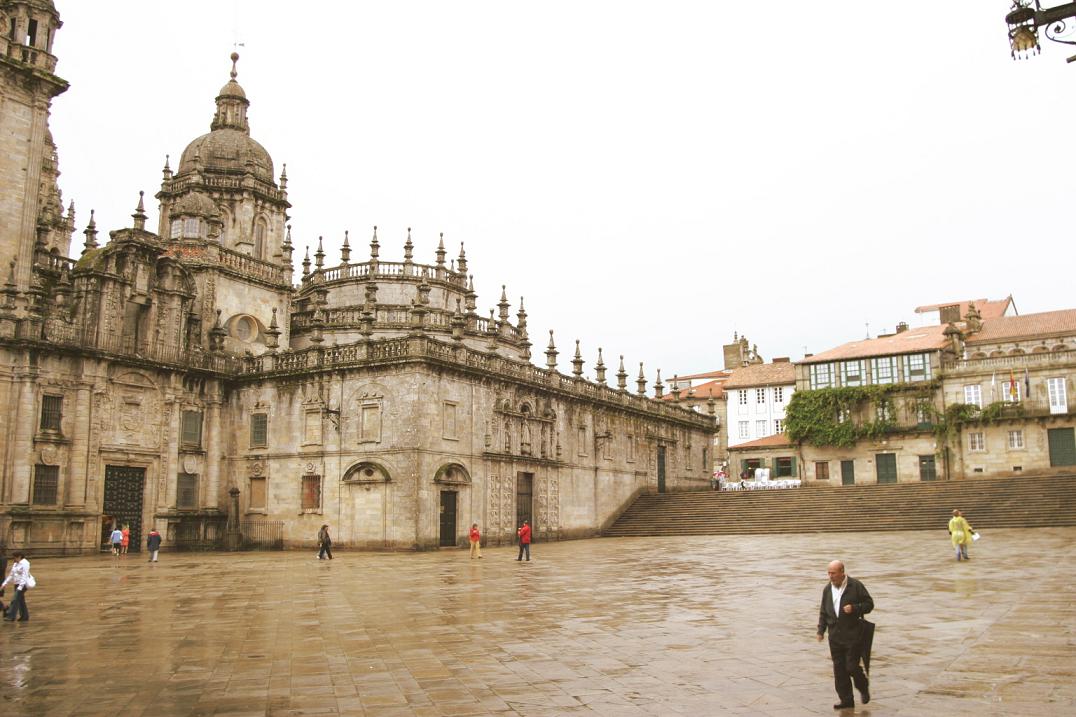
259,430
46,484
311,492
192,428
187,491
51,409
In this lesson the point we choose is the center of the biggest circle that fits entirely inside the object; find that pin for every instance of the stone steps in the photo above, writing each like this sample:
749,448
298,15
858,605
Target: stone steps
1023,502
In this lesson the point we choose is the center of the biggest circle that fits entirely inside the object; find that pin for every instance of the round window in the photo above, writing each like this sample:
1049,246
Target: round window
245,329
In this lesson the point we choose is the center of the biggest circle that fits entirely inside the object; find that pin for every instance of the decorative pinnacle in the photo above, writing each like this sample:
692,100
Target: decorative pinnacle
235,59
287,239
461,264
622,376
599,368
408,247
577,361
140,213
659,387
641,381
284,177
306,263
551,353
91,234
441,250
374,245
345,250
319,255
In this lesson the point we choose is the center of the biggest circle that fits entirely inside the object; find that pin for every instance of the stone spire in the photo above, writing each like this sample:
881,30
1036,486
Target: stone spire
91,234
375,250
675,388
284,177
319,256
521,323
503,303
167,170
711,404
461,262
641,381
577,361
273,333
345,250
287,248
551,353
471,298
441,252
622,376
140,213
599,368
306,263
409,248
659,387
458,323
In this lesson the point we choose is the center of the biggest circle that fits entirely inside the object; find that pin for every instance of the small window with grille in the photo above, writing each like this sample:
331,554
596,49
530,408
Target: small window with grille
192,428
259,430
311,492
46,484
187,491
51,409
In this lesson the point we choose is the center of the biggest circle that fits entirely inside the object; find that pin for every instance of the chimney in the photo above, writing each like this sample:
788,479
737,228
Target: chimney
902,327
781,359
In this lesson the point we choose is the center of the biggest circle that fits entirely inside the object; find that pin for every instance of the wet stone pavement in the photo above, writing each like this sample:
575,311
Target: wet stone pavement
684,626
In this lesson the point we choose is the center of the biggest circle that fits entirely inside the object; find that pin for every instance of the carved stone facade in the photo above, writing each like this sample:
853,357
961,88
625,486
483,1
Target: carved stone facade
179,380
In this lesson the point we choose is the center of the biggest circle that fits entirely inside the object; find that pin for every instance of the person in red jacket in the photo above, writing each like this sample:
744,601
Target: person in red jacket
476,540
524,541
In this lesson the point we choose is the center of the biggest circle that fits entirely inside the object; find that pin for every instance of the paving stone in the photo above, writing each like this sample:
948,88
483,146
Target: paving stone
656,626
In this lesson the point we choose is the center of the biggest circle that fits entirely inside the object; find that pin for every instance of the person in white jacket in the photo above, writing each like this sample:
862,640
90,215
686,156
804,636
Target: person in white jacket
20,577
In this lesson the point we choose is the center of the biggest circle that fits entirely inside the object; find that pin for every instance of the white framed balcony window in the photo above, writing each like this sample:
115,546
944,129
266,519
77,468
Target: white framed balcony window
973,395
1055,388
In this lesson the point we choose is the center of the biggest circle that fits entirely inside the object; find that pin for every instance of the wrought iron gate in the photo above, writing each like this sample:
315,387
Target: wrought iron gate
124,487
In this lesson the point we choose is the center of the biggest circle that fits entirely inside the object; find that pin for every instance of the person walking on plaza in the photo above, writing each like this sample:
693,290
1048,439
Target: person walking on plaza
960,533
476,542
22,580
125,539
153,544
116,539
524,534
844,603
325,543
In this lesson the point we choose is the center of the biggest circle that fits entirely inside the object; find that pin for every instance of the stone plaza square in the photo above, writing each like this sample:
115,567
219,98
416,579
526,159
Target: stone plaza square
669,626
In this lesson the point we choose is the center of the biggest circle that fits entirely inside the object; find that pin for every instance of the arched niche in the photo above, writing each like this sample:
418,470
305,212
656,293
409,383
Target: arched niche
452,474
367,472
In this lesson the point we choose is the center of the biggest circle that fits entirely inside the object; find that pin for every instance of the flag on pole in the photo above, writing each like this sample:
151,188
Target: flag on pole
1013,390
1027,385
993,386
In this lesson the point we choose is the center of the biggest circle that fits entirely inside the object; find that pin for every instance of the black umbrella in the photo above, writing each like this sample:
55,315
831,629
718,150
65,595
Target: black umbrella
868,642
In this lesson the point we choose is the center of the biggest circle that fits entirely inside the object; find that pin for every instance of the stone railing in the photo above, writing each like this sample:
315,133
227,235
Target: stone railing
385,318
1029,360
213,181
423,347
387,270
250,266
28,54
58,333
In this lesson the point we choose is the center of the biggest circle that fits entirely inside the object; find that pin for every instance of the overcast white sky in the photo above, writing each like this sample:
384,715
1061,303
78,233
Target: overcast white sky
650,176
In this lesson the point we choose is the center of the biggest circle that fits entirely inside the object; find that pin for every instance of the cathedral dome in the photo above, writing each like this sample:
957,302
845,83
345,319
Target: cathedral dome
196,204
227,150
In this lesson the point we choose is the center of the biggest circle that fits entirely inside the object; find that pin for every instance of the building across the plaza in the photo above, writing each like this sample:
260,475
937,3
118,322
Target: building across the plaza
179,380
973,397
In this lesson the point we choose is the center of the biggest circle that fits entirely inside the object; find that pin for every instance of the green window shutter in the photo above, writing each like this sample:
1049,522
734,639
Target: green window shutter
743,464
794,473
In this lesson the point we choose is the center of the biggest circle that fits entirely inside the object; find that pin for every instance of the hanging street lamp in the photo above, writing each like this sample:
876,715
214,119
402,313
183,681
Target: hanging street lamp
1025,19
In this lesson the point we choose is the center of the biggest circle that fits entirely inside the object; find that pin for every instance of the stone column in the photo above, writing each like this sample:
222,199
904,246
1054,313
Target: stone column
23,445
75,486
212,460
166,497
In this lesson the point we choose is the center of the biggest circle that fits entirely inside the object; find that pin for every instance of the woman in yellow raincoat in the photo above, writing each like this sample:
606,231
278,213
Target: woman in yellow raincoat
960,533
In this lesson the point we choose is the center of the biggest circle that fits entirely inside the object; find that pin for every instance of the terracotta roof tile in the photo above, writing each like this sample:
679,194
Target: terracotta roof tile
708,374
700,392
1028,326
987,309
762,374
777,440
924,338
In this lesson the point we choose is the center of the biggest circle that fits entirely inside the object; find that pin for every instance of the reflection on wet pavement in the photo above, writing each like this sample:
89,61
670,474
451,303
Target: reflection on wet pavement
669,626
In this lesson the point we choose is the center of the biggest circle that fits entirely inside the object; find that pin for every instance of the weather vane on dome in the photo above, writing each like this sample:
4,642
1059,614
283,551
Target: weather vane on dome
235,59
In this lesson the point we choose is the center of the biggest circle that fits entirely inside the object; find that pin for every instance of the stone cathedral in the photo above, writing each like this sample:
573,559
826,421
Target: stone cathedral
183,379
